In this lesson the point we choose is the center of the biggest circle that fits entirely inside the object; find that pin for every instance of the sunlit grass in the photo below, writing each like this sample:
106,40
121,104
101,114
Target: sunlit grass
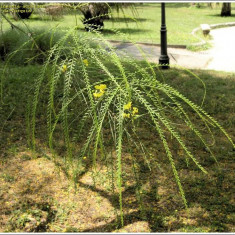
144,26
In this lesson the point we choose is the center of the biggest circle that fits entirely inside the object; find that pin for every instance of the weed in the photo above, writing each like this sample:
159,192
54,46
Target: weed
114,107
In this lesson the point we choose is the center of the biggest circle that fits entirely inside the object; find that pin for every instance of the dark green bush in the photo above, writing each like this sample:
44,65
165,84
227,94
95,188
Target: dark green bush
27,48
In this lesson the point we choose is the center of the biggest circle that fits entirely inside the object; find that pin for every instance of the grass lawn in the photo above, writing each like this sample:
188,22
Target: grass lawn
36,195
181,19
53,189
145,25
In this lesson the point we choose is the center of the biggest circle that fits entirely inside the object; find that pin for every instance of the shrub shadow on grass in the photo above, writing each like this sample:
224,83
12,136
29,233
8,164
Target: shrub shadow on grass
206,200
131,217
219,16
45,18
127,20
125,31
177,5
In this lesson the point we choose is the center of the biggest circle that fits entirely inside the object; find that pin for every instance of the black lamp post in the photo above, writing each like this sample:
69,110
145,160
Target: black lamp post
164,58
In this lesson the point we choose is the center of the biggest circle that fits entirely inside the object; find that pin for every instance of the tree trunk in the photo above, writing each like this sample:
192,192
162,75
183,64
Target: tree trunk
23,11
226,9
94,15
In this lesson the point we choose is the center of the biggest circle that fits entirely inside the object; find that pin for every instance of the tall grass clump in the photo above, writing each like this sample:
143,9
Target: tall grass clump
102,104
23,47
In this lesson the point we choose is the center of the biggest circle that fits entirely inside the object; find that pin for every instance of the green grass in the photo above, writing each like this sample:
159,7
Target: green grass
153,198
181,19
145,25
26,197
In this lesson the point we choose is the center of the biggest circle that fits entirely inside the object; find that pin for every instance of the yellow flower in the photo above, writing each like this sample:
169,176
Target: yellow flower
84,157
127,106
99,90
126,115
100,87
98,94
135,111
64,68
85,62
103,86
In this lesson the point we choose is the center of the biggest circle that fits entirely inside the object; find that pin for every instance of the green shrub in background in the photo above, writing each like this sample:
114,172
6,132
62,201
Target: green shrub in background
22,49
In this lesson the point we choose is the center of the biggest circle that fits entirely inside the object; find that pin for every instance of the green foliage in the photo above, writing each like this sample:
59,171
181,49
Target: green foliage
108,111
27,48
142,26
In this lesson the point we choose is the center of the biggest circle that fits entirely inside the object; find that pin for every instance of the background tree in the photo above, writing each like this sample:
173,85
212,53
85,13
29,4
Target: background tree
23,10
96,13
226,9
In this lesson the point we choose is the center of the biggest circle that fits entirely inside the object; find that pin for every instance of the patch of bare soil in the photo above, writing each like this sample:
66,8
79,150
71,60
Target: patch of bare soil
37,196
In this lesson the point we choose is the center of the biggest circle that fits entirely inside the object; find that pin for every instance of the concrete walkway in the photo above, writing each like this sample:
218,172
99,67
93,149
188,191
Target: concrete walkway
223,51
178,56
220,57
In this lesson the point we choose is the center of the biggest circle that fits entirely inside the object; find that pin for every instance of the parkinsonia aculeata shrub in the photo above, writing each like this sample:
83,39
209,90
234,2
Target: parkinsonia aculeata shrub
100,95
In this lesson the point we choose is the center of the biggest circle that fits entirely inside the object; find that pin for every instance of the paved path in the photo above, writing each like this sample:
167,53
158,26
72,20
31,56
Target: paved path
178,56
221,57
223,51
